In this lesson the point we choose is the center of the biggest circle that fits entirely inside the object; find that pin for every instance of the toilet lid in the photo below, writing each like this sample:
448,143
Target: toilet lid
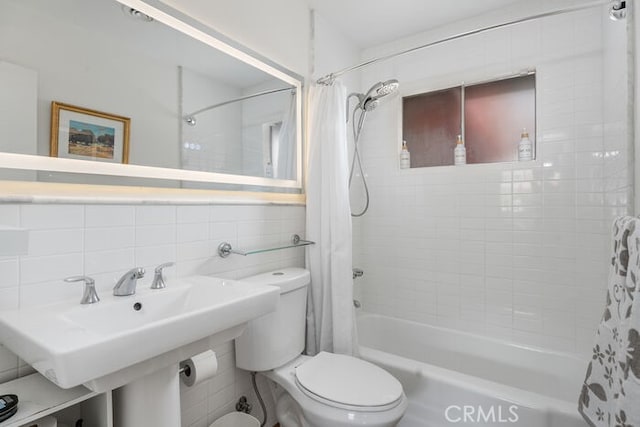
348,380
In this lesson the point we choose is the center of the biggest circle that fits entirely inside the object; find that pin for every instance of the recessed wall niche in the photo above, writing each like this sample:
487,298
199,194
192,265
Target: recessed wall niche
490,116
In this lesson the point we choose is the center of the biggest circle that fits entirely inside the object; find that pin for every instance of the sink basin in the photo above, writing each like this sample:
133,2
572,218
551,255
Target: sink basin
73,344
119,314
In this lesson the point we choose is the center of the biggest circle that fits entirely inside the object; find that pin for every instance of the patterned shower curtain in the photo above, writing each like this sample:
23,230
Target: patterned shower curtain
611,391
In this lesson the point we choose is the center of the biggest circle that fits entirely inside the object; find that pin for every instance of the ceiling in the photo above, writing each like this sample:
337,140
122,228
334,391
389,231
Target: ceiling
370,23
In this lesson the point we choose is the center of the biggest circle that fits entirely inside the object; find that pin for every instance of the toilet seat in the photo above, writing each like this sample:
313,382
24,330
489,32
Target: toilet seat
349,383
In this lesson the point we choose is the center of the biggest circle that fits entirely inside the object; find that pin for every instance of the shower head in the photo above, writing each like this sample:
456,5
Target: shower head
385,88
371,99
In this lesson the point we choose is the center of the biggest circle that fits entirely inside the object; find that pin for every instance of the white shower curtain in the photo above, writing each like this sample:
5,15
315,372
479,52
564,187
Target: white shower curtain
330,313
284,155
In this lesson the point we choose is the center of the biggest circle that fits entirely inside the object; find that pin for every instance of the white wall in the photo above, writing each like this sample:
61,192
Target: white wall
217,134
332,51
516,251
277,29
18,113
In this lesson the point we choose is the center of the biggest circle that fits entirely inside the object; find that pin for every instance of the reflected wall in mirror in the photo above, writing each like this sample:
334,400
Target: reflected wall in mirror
102,55
248,131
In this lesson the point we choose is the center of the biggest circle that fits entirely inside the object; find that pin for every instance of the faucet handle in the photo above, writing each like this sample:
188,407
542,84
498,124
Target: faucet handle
89,296
158,278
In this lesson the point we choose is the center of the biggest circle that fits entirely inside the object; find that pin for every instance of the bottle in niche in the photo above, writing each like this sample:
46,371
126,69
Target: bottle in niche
460,153
525,147
405,156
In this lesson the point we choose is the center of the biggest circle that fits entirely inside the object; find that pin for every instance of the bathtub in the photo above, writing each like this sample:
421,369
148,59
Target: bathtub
455,378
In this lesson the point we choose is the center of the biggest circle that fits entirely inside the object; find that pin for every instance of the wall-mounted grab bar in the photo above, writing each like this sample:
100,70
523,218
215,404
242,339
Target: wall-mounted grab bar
225,249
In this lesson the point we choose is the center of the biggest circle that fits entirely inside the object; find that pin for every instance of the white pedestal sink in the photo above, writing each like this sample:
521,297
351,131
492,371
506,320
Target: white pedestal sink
153,400
135,341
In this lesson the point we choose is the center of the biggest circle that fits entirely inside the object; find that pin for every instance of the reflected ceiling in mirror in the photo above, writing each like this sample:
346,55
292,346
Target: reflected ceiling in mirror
198,104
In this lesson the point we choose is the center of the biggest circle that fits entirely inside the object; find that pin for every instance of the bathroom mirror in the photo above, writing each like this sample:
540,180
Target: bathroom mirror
135,93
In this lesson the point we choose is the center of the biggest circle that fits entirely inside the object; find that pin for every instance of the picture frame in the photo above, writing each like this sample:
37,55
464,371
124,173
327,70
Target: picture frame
86,134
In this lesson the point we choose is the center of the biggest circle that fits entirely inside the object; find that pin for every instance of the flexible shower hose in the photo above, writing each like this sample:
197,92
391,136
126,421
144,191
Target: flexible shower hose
356,157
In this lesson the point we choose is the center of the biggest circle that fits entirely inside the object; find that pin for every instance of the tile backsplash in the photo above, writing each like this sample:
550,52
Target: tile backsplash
104,241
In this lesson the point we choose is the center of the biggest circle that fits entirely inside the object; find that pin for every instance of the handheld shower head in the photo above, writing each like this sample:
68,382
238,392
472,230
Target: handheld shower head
366,102
371,99
369,104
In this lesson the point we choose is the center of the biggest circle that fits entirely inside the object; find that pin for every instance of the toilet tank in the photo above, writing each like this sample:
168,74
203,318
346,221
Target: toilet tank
276,338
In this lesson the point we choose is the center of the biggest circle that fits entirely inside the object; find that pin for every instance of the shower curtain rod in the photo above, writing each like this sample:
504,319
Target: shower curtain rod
190,119
329,78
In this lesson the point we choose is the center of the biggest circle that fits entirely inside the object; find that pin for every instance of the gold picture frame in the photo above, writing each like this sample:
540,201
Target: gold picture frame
85,134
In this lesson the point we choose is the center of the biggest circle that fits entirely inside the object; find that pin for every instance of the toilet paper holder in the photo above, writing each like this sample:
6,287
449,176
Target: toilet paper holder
198,368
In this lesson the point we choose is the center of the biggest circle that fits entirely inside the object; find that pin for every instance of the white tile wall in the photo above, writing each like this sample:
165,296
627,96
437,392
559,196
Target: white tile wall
105,241
516,251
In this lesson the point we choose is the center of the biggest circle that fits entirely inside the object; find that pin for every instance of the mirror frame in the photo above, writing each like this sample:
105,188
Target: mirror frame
200,32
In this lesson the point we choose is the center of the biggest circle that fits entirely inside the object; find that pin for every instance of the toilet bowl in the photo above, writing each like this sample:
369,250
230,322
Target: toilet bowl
331,390
326,390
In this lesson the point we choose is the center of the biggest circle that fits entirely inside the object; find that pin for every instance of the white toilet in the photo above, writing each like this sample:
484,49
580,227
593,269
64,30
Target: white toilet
327,390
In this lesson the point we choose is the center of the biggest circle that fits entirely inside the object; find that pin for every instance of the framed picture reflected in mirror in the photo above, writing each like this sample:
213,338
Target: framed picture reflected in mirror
85,134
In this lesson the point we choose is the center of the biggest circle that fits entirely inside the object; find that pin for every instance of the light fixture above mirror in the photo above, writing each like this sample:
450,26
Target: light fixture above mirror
136,14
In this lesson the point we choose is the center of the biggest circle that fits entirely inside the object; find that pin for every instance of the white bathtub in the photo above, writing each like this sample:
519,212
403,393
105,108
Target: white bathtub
455,378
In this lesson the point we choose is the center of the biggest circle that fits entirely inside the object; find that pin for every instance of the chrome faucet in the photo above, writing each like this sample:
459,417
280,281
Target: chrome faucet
127,283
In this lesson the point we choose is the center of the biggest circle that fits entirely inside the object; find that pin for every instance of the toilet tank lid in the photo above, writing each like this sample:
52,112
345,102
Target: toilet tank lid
287,279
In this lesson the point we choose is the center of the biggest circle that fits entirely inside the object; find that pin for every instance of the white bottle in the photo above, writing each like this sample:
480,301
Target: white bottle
460,153
405,156
525,147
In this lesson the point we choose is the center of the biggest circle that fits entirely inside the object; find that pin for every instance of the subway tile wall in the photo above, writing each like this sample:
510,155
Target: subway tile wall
516,251
104,241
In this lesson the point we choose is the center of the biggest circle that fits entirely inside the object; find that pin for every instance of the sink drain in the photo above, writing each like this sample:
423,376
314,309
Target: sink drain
137,306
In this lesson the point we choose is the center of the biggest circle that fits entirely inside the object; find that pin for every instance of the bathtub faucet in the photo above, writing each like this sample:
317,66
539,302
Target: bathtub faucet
357,272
